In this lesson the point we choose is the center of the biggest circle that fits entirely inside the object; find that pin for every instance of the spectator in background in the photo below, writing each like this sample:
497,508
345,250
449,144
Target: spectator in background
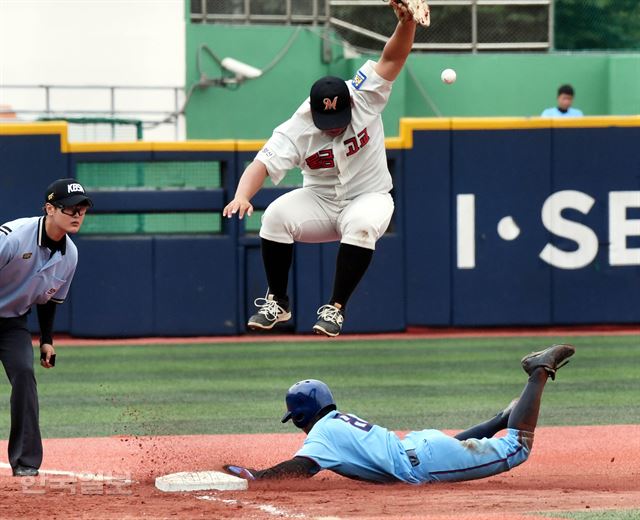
564,108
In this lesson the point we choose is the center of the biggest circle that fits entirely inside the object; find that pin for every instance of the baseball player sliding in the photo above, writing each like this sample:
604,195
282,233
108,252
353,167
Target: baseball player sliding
355,448
337,139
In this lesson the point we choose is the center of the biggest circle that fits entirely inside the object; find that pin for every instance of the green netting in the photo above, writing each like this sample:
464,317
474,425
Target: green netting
597,24
151,223
101,128
292,179
150,175
252,223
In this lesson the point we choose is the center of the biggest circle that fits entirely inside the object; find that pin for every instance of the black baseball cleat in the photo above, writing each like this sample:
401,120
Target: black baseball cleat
271,312
551,359
330,321
25,471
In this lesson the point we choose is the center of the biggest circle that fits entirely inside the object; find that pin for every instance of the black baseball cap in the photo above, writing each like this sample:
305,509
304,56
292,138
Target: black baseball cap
330,103
66,192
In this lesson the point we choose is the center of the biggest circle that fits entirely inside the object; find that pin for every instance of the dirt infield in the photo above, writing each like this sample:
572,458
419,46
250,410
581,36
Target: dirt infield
576,468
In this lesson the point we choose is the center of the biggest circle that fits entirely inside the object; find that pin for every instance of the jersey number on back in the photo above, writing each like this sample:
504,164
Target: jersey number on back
354,421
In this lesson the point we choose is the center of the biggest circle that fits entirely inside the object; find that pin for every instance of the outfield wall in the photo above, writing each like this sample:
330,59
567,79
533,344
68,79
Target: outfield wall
489,84
498,222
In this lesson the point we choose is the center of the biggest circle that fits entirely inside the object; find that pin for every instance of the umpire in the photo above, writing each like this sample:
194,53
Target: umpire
37,263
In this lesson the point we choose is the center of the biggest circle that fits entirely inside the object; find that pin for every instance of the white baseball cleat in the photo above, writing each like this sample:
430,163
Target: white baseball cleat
330,320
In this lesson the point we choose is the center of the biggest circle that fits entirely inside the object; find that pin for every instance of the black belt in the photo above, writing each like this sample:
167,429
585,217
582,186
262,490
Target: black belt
413,457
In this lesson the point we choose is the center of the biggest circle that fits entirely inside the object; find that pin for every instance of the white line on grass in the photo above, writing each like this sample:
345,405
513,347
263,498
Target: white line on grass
101,477
265,508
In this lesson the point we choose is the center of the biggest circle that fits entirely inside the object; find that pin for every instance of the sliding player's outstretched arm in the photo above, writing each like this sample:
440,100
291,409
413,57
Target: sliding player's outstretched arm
297,467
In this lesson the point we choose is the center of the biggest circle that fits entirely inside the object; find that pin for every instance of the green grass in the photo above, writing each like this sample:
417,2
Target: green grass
626,514
404,384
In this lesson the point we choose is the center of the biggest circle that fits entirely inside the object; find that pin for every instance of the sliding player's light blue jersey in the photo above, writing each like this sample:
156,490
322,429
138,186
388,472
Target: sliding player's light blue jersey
354,448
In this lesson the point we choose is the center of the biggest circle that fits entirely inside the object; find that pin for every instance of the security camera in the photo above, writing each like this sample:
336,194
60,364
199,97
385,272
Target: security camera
241,70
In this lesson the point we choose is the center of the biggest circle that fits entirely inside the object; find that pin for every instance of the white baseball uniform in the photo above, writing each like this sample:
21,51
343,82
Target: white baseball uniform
346,182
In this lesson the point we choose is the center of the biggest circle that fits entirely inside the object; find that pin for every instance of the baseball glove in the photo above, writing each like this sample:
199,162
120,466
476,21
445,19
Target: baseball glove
418,9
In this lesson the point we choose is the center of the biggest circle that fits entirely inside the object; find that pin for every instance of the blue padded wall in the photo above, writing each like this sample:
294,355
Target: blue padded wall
205,284
195,286
29,163
596,161
113,290
509,174
427,225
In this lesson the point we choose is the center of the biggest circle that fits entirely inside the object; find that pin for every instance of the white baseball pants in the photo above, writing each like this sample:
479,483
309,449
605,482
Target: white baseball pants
302,215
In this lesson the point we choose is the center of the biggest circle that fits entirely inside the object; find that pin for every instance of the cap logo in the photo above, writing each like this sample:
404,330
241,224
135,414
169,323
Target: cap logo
330,105
74,187
50,196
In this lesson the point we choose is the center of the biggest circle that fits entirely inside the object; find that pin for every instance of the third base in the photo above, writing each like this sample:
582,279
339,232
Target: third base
200,481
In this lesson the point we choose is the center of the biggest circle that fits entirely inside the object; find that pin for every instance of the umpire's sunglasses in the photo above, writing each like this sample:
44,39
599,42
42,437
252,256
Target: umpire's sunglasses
72,211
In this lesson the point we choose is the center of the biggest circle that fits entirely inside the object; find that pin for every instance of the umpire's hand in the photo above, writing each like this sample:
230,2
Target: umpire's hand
47,351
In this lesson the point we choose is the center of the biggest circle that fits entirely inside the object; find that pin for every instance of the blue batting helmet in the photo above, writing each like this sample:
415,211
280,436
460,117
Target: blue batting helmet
305,400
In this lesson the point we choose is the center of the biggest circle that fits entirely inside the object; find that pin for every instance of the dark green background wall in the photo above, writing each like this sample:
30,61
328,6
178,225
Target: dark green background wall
505,84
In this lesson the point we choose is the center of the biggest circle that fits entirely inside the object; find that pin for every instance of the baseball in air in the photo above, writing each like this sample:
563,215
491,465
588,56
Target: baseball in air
448,76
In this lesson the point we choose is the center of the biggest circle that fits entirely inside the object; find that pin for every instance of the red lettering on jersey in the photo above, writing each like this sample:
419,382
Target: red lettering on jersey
320,160
364,137
354,145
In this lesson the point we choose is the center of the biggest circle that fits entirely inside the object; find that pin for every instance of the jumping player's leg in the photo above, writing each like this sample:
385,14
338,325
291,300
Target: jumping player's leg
276,258
351,264
298,216
361,224
274,307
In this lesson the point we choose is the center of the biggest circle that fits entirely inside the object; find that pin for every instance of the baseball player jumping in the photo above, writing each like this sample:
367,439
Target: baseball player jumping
337,139
37,263
355,448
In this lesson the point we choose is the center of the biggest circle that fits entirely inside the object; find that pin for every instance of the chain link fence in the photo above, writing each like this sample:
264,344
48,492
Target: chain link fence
260,11
459,25
597,24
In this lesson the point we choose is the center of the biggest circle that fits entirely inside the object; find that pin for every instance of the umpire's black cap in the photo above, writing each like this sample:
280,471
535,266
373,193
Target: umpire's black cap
66,192
330,103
